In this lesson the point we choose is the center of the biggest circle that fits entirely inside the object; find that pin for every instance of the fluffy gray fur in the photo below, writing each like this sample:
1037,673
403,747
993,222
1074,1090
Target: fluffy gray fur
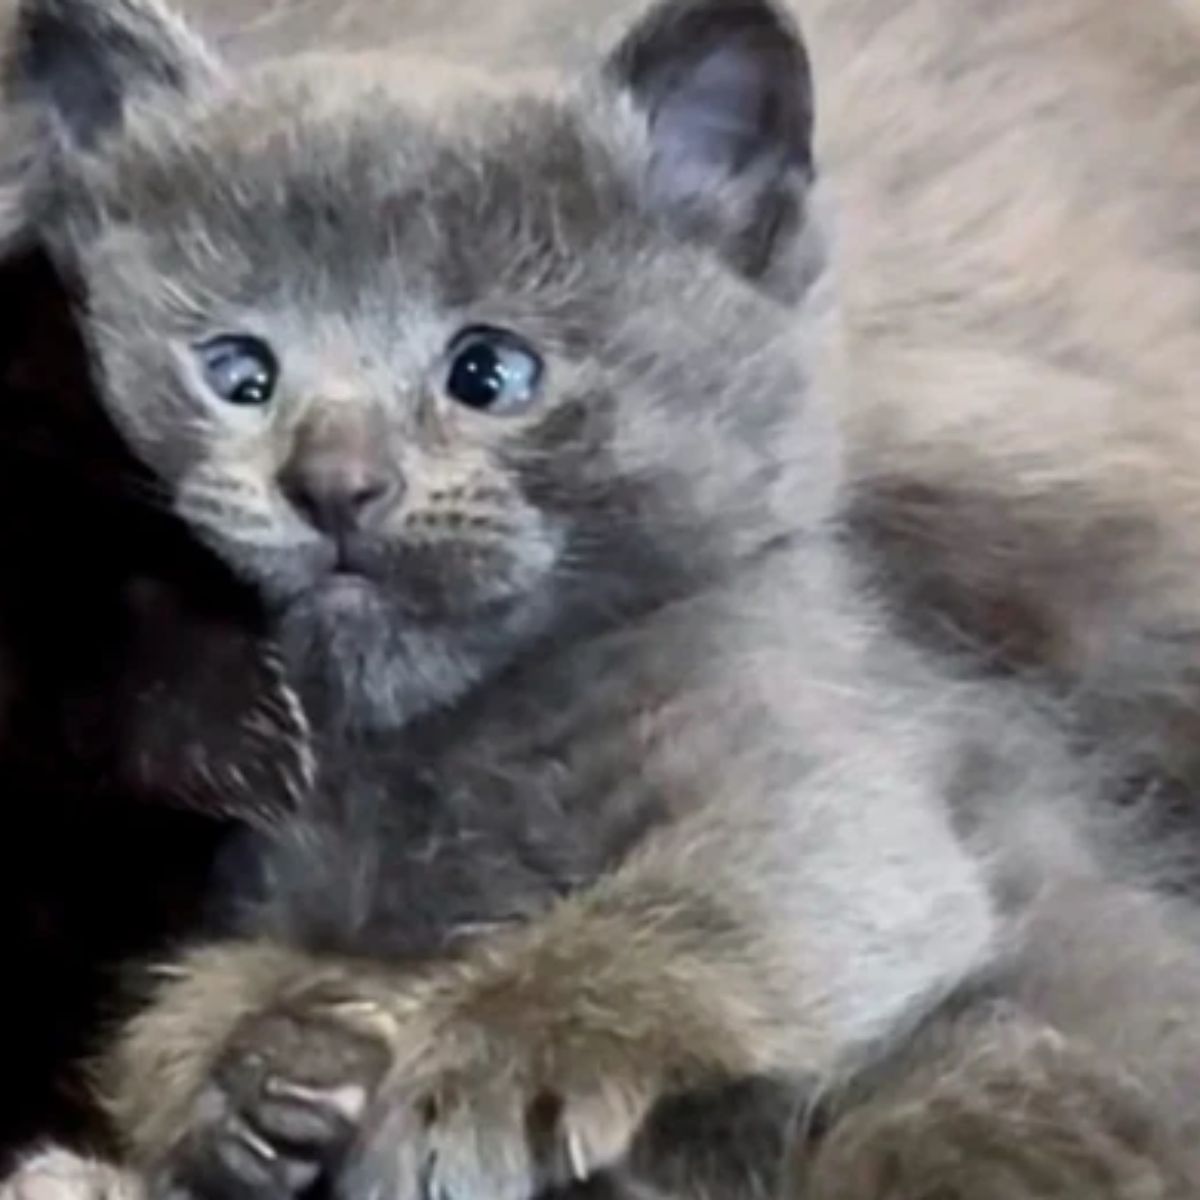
629,795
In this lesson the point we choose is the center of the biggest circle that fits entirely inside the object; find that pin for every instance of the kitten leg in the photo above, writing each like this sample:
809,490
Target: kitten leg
729,1140
250,1071
528,1064
997,1106
534,1062
58,1174
533,1058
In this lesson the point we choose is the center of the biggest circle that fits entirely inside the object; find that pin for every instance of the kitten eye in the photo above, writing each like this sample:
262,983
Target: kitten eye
493,370
239,368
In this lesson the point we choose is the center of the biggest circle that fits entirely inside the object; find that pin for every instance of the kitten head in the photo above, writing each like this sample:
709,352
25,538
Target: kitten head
443,379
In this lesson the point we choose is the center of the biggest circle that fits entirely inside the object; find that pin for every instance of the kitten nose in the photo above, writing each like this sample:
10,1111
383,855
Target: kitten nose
340,493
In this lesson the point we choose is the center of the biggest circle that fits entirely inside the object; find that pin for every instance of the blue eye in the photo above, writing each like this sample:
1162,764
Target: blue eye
240,369
493,370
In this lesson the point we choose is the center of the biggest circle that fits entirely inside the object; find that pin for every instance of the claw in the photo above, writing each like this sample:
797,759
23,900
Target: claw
369,1017
299,1115
246,1156
349,1102
577,1156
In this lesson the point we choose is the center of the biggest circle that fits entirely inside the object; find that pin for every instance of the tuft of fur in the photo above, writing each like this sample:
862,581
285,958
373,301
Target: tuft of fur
56,1174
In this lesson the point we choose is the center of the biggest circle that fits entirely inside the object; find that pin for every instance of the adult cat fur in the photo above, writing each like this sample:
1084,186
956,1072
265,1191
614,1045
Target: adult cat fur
794,925
1020,287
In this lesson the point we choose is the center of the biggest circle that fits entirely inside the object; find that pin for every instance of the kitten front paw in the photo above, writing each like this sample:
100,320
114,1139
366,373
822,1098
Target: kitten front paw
279,1109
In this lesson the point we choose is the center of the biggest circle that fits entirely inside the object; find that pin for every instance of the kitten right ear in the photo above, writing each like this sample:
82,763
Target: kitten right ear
78,63
725,90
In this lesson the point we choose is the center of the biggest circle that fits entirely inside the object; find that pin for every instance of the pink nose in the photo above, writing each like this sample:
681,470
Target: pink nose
340,490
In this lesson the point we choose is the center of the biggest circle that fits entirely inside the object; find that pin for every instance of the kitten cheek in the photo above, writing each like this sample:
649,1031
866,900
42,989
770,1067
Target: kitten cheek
235,507
535,554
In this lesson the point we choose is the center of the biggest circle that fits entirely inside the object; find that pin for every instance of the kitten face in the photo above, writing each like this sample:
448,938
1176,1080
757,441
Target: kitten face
442,383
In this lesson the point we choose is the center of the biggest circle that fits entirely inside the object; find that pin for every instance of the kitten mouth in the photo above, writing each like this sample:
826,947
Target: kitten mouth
350,571
418,584
347,571
346,578
347,592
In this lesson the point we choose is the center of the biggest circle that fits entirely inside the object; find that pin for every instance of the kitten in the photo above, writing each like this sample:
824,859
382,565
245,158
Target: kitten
631,810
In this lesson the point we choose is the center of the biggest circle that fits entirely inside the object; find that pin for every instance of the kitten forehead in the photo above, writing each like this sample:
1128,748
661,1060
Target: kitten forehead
409,114
348,125
400,106
430,86
321,172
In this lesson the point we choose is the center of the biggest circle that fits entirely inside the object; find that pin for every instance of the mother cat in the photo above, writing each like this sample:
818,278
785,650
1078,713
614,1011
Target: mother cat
632,812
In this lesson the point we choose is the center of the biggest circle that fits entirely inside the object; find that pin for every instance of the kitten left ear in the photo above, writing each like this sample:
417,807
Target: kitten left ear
80,62
725,89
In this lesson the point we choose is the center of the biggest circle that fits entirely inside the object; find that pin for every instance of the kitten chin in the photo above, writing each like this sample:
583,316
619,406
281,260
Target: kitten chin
359,668
364,666
411,632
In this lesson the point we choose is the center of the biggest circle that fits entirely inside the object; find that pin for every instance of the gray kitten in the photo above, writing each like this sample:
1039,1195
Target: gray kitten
499,392
409,547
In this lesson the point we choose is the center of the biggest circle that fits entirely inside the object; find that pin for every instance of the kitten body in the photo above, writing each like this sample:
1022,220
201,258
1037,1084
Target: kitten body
627,792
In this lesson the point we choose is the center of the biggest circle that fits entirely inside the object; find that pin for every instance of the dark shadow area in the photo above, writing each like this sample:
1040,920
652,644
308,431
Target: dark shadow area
112,621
